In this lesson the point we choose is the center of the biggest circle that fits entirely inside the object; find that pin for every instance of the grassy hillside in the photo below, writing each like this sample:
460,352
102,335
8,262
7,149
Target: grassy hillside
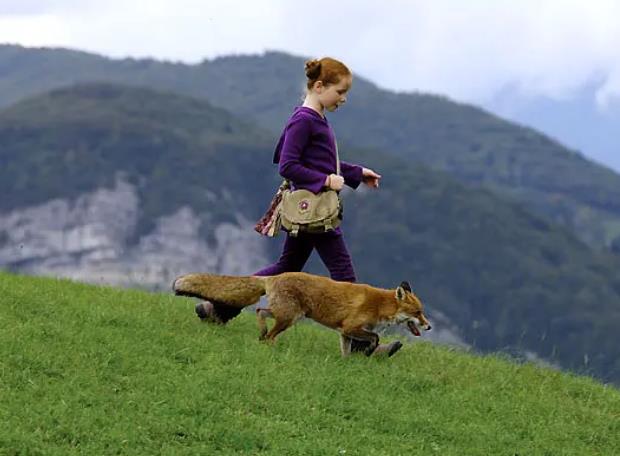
92,370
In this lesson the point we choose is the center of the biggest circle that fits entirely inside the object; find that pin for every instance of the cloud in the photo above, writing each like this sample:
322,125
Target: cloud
36,30
183,30
467,50
40,7
471,50
609,92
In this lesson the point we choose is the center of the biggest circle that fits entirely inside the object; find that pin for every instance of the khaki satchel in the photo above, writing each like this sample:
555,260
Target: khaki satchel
302,211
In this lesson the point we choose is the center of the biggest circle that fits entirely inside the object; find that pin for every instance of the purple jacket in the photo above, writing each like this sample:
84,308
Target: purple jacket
306,152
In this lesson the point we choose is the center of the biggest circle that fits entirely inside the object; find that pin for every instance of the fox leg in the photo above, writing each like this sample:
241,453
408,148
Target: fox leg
364,335
345,345
284,309
390,348
278,327
262,315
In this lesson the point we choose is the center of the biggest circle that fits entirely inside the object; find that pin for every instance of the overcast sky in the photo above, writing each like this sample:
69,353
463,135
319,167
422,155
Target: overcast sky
467,50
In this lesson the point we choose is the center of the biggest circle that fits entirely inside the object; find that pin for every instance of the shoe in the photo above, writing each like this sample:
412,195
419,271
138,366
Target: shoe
206,312
201,310
215,312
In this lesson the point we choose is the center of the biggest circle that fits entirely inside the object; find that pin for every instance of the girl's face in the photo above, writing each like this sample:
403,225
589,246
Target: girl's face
334,95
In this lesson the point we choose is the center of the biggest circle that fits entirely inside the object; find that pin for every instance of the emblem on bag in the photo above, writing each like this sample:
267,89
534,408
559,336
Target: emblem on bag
304,205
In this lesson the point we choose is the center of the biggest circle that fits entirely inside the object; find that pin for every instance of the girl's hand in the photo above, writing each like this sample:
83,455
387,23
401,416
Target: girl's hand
334,182
370,178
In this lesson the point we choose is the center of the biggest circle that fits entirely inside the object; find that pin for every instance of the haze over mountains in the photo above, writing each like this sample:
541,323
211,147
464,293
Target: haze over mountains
502,230
579,121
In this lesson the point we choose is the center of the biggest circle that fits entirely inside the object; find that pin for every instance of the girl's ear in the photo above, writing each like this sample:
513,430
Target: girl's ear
318,85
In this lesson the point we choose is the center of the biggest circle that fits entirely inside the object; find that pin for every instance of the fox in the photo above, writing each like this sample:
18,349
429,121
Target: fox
352,309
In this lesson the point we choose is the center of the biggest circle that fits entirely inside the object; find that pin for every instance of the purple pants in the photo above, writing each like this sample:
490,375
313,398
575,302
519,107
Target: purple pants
297,250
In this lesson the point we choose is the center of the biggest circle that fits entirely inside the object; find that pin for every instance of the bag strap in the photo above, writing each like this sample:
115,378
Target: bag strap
337,158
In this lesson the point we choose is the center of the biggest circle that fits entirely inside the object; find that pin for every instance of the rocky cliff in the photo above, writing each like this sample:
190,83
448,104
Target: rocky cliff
88,239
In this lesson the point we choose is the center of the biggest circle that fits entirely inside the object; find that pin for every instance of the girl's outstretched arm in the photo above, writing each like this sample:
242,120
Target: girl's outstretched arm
352,174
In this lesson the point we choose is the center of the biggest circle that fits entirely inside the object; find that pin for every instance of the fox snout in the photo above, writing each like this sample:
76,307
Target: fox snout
413,325
426,326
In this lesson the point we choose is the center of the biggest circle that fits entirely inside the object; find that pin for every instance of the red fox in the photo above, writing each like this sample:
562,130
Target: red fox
352,309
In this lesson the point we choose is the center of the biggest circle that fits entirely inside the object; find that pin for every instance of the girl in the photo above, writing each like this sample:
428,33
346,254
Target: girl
306,154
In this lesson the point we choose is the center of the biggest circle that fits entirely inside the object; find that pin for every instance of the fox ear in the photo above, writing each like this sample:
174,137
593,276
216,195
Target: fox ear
400,293
406,286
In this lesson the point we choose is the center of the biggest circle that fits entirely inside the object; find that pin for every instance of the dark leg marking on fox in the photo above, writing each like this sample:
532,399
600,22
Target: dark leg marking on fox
366,336
359,345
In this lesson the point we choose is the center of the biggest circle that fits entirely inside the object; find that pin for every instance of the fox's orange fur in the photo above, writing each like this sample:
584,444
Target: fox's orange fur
352,309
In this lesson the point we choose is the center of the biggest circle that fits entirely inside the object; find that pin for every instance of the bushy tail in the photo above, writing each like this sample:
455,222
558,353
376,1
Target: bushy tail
232,290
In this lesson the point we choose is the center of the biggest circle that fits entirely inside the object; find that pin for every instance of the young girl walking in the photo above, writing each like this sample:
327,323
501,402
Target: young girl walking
306,155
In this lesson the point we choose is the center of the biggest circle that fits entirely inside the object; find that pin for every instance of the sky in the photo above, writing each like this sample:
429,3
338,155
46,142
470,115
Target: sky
467,50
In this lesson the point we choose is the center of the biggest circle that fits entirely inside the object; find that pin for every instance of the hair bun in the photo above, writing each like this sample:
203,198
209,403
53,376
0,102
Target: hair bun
313,68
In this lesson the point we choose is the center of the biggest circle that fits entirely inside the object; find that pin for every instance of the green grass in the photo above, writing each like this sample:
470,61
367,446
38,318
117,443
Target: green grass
95,370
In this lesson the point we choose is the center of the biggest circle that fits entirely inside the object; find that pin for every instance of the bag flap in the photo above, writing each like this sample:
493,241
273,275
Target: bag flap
303,206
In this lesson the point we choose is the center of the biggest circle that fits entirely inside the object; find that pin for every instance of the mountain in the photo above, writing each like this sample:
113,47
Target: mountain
110,183
471,144
140,186
580,121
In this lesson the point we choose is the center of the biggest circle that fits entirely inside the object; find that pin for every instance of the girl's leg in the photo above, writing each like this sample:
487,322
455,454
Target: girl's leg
333,251
295,253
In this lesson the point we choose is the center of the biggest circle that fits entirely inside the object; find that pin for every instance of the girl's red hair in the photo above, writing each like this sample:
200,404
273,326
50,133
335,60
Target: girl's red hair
328,70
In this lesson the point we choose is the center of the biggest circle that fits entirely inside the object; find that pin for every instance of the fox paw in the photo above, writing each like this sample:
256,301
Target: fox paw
394,347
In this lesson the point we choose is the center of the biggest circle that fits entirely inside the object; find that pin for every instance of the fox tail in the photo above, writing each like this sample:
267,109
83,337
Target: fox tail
234,291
